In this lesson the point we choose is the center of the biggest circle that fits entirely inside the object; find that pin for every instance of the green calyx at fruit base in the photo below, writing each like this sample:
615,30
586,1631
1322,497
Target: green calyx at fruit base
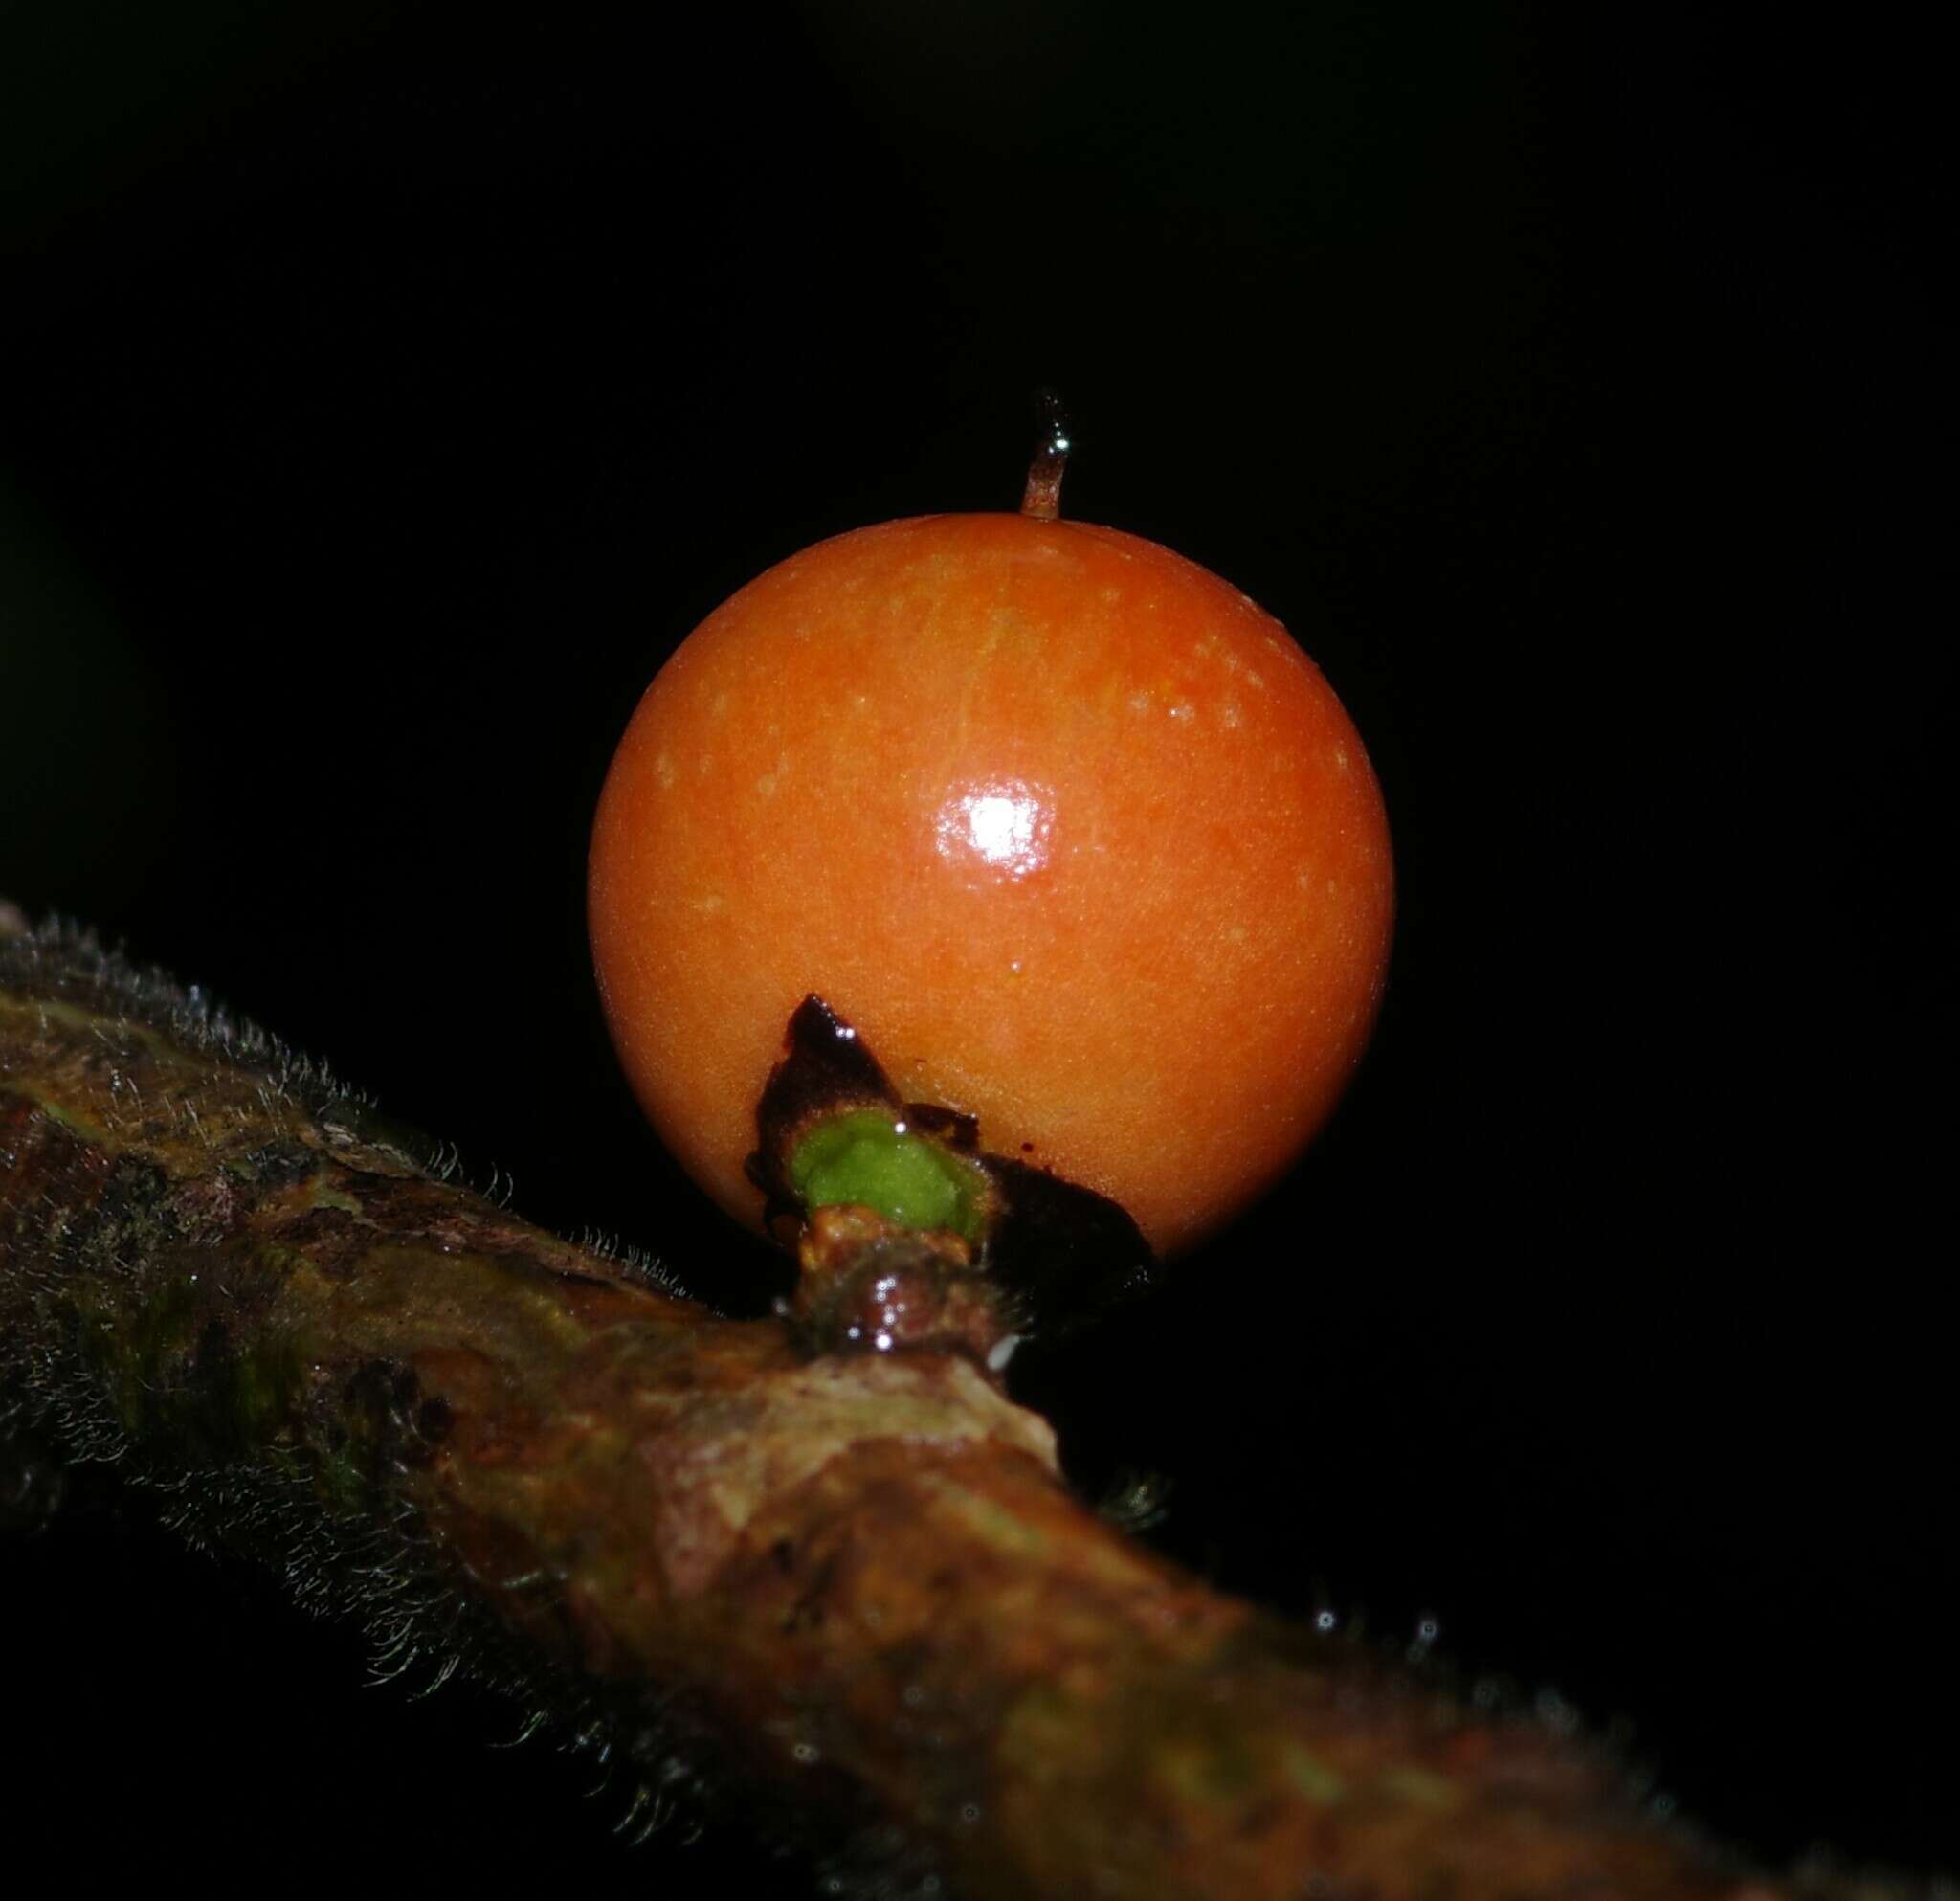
870,1158
832,1135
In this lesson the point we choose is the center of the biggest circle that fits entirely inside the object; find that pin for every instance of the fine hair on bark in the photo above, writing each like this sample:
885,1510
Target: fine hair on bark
845,1594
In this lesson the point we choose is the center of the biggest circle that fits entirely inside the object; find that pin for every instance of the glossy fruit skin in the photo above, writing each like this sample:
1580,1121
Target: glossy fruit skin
1071,831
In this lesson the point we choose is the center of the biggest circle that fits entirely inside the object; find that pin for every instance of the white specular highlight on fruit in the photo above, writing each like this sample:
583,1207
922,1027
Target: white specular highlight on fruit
1005,825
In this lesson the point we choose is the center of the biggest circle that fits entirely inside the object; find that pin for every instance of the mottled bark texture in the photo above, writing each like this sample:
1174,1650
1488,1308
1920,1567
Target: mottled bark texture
850,1586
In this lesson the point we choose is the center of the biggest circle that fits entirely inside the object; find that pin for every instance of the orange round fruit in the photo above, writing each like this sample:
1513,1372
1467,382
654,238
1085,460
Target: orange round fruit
1072,832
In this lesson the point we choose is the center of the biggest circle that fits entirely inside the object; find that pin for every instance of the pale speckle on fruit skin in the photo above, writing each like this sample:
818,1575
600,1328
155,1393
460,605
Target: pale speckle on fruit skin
663,771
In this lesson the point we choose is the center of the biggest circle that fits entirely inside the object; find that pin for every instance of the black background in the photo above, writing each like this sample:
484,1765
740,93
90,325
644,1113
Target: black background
386,390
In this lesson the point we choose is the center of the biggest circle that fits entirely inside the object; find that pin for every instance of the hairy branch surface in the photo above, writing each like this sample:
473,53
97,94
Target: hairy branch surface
851,1587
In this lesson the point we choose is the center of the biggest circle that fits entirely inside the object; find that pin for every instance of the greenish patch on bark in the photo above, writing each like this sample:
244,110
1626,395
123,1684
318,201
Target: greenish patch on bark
1422,1788
1310,1775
